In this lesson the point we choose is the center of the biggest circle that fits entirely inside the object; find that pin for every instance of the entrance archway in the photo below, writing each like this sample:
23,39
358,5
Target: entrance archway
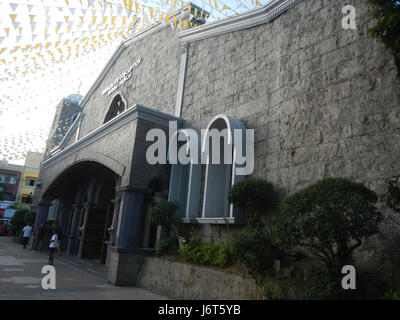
90,188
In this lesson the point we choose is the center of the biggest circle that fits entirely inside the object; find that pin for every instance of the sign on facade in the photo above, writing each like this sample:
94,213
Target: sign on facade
119,82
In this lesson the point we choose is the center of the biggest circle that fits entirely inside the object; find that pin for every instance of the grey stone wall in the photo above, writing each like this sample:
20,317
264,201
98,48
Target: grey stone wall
115,156
186,281
323,101
153,83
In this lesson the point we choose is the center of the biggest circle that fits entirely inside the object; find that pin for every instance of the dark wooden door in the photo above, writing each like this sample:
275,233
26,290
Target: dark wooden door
93,242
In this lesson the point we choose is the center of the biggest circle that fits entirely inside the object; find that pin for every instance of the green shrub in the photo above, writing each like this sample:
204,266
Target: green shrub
387,29
206,253
255,251
392,195
164,214
331,218
322,286
30,217
391,294
165,246
18,219
255,197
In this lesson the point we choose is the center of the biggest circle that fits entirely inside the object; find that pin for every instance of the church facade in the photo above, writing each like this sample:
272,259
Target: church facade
322,101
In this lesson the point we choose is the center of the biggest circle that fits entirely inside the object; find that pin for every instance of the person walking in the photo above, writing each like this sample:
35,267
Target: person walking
53,246
26,233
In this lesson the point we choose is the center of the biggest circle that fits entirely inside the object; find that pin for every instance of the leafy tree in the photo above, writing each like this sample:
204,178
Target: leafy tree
387,29
255,197
165,215
392,195
255,251
30,217
18,219
331,218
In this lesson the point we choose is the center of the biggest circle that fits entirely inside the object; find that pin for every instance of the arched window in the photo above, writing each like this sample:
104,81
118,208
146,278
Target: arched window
117,107
185,179
224,140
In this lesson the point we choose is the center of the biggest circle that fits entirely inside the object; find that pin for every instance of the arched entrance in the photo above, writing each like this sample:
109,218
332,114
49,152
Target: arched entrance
88,190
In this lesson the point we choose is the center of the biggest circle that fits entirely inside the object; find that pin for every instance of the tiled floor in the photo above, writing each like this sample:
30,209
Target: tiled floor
21,277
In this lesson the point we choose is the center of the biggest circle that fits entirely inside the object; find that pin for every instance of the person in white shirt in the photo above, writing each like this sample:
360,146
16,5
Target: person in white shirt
26,233
53,246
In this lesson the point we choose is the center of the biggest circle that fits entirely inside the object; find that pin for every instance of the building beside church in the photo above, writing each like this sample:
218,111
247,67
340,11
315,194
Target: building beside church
322,101
27,187
10,179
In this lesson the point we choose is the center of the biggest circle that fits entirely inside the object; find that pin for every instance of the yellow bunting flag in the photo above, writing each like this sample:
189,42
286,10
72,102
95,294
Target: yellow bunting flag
12,17
224,8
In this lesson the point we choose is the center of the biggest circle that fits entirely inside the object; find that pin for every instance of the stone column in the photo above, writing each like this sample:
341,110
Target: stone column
73,233
87,207
114,223
42,212
63,218
130,219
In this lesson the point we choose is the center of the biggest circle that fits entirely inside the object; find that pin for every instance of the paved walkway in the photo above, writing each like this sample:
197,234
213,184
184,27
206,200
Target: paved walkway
21,277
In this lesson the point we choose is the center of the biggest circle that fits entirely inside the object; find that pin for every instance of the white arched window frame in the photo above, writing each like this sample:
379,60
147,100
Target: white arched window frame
185,182
220,177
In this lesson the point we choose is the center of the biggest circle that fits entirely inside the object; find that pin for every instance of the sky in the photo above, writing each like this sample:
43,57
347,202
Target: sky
50,49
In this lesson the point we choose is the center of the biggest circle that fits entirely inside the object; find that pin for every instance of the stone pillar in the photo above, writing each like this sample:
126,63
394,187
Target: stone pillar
73,232
42,212
81,237
130,218
125,257
65,212
114,223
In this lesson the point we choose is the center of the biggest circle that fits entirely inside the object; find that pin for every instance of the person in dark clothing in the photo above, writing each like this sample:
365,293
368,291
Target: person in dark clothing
40,236
59,235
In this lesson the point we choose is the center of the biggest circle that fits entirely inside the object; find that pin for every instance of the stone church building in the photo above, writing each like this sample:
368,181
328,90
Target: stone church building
323,101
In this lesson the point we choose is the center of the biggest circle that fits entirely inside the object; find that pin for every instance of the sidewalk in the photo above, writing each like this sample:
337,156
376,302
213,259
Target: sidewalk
76,279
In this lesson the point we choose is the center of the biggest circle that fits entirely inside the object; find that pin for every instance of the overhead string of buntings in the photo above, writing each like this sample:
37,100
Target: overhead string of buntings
40,32
43,41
